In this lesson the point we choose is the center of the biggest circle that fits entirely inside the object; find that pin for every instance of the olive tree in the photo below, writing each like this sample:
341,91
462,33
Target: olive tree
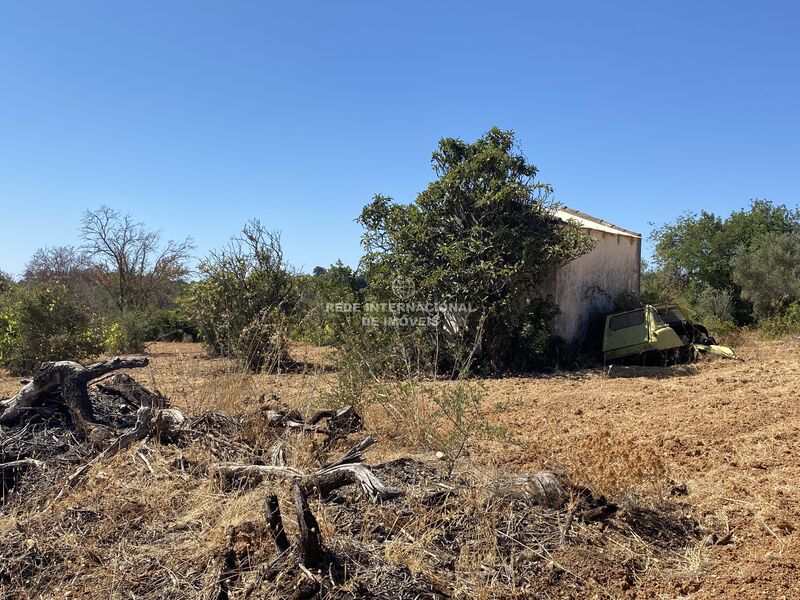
769,275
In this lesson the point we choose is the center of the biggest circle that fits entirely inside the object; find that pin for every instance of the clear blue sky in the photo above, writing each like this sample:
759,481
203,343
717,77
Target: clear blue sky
196,116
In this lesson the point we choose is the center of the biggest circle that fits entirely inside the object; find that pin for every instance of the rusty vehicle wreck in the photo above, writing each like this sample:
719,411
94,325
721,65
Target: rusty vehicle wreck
658,334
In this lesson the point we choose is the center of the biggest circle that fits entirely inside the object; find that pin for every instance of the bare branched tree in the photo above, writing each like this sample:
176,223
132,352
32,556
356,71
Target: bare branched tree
130,261
65,264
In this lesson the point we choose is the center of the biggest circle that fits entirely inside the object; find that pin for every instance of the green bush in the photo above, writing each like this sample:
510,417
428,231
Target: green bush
786,323
44,322
128,332
242,303
172,325
713,305
318,323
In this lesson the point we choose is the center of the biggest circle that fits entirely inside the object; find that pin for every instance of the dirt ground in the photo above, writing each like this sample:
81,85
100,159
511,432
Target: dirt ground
730,431
724,433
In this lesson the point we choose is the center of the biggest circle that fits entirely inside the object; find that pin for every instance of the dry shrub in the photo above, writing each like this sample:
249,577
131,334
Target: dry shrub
226,393
129,531
613,463
445,417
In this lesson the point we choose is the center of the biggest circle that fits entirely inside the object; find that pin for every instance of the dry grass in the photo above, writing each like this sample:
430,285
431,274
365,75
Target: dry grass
152,523
614,463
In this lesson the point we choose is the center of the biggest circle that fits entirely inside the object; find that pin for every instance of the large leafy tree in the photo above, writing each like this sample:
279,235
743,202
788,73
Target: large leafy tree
697,250
483,233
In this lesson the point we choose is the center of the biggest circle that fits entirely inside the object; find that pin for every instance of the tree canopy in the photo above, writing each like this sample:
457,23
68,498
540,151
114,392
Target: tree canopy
697,250
769,276
482,233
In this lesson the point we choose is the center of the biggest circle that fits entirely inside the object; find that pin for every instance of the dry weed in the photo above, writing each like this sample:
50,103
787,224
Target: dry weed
613,463
156,525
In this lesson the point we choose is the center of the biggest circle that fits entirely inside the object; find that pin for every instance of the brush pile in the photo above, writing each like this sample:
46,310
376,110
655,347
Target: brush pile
109,491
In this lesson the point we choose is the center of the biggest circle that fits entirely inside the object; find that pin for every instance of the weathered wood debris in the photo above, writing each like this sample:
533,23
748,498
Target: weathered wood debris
80,415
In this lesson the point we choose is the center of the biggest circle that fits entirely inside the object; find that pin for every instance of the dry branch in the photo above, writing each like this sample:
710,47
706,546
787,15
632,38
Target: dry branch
229,472
312,552
339,422
131,392
272,513
326,480
22,463
71,379
346,470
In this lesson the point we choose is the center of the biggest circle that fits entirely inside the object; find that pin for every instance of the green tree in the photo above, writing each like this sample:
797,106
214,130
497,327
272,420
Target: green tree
769,275
482,235
696,252
6,282
320,293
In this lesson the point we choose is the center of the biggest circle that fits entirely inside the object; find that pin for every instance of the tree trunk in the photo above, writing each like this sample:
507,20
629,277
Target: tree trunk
273,515
72,379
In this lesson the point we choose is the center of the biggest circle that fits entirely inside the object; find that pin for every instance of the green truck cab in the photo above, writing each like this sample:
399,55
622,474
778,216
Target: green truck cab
637,331
663,331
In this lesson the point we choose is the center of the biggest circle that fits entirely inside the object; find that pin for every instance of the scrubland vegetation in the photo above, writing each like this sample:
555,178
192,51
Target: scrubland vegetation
481,250
666,487
735,271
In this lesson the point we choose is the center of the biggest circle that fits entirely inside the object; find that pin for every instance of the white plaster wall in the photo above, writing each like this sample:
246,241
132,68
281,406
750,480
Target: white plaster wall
589,283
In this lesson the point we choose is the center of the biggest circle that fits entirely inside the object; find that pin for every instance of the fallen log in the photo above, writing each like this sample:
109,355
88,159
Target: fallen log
71,379
543,488
347,470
